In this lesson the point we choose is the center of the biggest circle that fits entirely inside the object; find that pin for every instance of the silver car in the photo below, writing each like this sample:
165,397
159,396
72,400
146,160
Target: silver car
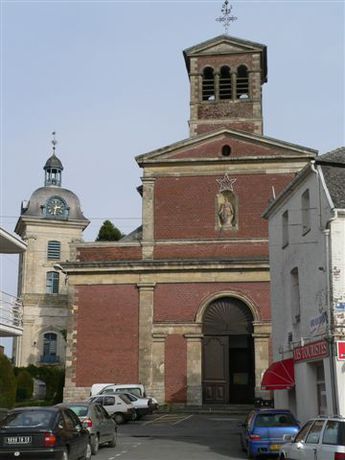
102,428
321,438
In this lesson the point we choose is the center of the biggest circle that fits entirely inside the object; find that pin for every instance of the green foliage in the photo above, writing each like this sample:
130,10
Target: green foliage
53,377
108,232
25,385
8,384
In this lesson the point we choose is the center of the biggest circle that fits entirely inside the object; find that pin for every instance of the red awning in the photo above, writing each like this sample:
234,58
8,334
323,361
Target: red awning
279,376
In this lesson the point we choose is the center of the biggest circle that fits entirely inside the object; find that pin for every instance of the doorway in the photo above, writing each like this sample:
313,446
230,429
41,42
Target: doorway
228,353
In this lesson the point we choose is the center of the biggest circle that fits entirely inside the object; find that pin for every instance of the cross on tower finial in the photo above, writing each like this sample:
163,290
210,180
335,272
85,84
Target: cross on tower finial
54,142
226,17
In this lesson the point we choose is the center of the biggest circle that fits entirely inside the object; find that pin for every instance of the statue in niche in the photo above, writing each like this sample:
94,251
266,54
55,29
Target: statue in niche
226,210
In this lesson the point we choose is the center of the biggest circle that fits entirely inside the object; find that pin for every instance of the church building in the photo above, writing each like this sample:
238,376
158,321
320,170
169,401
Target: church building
182,304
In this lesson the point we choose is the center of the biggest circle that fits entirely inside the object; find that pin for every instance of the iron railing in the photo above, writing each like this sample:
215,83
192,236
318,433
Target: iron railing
11,313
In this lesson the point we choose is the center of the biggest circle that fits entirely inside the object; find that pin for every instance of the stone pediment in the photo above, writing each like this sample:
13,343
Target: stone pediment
223,44
209,148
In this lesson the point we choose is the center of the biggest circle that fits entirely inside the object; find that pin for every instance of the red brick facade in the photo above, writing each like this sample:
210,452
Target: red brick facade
107,334
140,305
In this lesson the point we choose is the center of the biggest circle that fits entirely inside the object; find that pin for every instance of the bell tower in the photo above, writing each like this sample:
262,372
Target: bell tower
226,77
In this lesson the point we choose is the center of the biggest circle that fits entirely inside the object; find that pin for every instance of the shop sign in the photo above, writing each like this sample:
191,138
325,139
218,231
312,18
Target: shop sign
341,350
318,324
311,351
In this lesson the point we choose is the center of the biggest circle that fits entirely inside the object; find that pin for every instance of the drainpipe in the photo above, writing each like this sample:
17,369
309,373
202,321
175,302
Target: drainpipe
329,294
330,313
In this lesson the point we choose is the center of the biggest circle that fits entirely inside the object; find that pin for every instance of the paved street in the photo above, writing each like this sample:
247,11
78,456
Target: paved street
177,436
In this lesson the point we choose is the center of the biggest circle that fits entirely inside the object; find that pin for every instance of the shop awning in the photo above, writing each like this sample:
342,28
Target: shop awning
279,376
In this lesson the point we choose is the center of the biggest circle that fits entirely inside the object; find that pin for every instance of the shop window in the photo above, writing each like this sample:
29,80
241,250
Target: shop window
54,250
242,83
52,283
285,228
321,389
305,212
225,89
208,91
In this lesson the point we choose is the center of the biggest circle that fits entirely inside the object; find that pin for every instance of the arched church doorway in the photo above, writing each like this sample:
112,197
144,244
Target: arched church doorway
228,352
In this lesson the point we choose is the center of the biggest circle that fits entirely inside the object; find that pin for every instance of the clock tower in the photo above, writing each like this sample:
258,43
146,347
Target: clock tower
49,222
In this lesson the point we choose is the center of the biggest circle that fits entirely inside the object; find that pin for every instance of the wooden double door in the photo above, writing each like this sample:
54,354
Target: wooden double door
228,374
228,353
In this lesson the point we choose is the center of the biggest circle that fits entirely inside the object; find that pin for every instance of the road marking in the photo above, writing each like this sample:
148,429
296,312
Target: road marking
172,419
183,419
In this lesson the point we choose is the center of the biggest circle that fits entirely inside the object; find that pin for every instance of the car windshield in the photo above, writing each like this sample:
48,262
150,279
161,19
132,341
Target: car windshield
27,418
124,398
135,391
80,410
278,419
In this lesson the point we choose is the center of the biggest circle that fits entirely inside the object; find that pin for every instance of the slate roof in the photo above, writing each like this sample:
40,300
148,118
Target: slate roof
333,169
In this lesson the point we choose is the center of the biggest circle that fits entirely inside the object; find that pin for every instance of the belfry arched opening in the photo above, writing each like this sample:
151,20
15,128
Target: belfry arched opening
228,353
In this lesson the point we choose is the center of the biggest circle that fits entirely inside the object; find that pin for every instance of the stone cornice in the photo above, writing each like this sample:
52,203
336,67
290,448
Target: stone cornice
148,266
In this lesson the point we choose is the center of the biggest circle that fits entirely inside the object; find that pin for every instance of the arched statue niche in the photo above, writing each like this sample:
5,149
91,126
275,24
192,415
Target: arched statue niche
226,210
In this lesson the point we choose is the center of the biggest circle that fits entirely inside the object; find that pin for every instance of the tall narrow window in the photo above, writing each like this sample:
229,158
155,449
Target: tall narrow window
49,348
295,296
52,283
305,212
242,83
208,93
285,229
54,248
225,83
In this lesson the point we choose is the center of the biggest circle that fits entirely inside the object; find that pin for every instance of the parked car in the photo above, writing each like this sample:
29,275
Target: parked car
264,430
137,389
3,413
117,407
101,427
142,406
321,438
43,432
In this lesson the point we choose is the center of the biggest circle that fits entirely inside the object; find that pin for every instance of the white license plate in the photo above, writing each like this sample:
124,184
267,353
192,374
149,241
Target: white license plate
15,440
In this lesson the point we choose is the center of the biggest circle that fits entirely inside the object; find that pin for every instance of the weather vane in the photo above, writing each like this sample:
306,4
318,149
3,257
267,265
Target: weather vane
54,141
226,17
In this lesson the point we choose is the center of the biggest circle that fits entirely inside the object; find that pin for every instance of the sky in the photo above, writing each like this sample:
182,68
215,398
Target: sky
109,77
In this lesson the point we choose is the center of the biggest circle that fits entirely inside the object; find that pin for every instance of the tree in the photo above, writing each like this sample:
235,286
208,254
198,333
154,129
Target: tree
8,384
25,385
108,232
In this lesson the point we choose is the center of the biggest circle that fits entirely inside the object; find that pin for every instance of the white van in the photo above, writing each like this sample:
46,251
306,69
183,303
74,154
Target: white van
137,389
117,406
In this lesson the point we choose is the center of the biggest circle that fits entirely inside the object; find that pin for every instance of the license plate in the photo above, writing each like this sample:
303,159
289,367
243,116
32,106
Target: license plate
16,440
275,447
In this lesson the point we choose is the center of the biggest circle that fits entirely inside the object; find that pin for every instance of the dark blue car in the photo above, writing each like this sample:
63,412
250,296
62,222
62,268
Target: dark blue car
264,429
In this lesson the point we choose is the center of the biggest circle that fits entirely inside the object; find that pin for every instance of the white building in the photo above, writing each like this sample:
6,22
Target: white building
307,263
11,307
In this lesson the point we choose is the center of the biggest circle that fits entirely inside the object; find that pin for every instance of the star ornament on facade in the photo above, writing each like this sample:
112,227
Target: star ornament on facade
225,183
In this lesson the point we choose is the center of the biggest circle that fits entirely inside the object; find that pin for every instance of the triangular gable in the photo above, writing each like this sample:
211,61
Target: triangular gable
224,44
207,147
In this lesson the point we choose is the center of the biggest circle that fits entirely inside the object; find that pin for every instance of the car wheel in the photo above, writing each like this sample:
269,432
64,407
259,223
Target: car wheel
119,418
64,455
112,443
94,444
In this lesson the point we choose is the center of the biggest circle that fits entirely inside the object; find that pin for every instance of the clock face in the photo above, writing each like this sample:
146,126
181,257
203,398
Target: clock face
56,207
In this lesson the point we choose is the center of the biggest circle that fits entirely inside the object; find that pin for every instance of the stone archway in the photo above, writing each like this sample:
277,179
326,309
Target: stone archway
228,368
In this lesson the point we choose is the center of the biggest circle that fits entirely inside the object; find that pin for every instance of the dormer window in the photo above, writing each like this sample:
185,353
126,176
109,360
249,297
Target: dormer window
225,90
242,83
208,91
